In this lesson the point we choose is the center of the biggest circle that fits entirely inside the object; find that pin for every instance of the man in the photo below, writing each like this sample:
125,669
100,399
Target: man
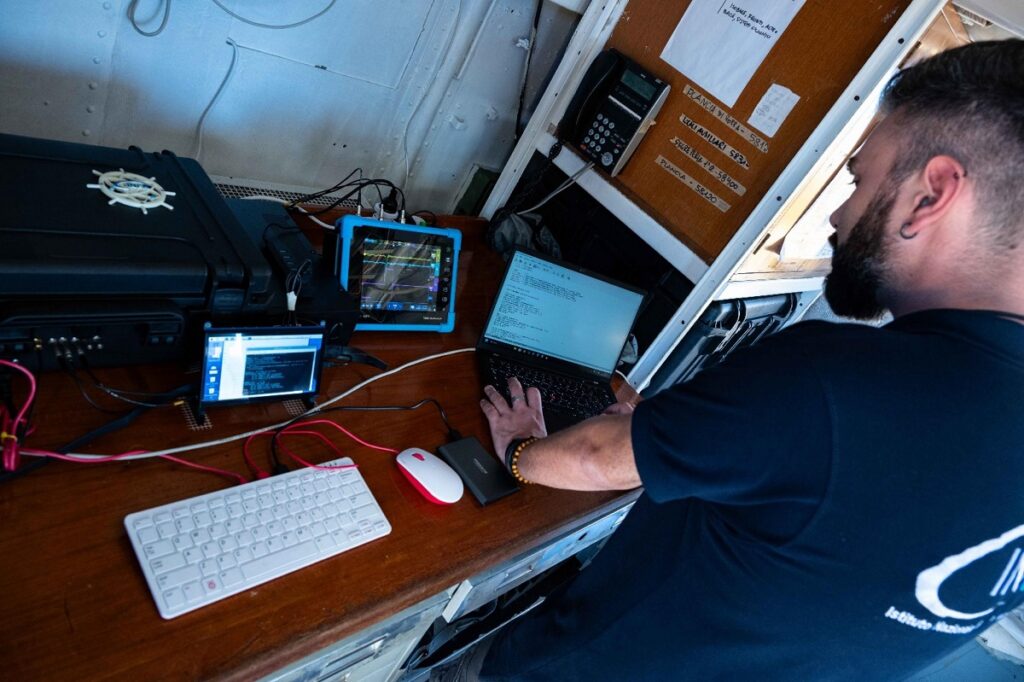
840,501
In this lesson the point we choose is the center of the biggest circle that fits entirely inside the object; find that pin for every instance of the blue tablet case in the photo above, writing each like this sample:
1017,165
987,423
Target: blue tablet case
414,233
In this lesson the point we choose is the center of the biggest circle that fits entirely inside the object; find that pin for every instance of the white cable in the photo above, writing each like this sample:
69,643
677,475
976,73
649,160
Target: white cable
230,439
426,90
285,202
558,190
275,26
132,190
216,95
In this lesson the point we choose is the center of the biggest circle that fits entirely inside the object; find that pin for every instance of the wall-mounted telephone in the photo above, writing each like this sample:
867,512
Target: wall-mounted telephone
610,113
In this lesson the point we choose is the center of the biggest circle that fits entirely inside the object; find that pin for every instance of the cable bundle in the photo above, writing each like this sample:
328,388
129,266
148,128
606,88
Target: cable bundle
14,421
132,190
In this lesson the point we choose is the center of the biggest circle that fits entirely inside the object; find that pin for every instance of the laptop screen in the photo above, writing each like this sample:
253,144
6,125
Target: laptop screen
547,308
240,365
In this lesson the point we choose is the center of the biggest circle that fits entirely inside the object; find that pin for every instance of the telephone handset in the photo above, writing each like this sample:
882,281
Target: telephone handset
612,109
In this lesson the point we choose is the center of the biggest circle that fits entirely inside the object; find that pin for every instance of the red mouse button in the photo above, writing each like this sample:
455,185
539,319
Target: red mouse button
418,456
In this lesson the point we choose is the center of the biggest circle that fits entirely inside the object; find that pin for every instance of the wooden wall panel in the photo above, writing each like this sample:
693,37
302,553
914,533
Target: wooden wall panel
816,57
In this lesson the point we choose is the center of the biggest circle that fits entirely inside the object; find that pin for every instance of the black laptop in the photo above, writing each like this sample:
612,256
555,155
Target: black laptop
561,329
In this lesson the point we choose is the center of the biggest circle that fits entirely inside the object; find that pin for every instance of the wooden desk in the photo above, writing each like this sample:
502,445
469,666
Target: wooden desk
75,604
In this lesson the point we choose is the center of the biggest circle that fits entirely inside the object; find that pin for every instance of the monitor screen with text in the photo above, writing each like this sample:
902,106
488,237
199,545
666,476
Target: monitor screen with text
243,365
556,311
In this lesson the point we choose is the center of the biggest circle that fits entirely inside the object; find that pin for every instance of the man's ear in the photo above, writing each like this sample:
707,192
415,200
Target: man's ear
937,189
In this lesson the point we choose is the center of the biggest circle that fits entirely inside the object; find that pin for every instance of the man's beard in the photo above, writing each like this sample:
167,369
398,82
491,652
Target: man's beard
855,286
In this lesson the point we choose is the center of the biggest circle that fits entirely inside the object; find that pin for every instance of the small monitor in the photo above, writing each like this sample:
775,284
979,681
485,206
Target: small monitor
242,365
403,275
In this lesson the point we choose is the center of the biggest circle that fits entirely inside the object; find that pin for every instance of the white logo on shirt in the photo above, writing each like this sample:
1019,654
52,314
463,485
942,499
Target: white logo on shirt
930,580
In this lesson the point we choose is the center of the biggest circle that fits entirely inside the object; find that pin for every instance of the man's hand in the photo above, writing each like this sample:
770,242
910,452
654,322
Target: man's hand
524,418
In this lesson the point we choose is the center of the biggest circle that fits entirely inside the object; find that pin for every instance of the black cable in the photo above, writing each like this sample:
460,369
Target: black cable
84,362
81,389
133,5
333,188
279,468
112,392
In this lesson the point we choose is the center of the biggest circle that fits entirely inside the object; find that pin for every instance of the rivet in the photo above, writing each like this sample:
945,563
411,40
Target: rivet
107,5
93,85
86,133
95,60
101,34
90,108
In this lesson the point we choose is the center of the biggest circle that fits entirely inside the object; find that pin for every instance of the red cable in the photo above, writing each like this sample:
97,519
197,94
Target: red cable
10,428
112,458
348,433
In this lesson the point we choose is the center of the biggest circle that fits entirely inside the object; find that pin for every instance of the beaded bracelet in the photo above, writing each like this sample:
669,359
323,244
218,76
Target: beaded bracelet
512,459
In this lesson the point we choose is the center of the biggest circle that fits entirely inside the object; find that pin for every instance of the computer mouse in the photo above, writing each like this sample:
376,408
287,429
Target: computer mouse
435,480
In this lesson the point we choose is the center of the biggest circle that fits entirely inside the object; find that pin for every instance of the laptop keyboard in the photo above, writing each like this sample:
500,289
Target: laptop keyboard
573,396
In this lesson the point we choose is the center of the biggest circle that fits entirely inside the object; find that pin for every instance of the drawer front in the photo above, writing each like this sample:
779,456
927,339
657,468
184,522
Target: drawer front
383,646
485,587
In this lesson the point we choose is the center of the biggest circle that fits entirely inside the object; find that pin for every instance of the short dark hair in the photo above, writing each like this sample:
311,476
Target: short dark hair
968,103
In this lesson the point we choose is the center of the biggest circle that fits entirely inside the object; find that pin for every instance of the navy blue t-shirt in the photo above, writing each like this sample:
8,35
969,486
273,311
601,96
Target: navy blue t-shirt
837,503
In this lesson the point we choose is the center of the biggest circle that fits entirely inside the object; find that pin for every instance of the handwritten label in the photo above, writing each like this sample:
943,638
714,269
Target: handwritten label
717,142
720,113
705,163
773,109
700,189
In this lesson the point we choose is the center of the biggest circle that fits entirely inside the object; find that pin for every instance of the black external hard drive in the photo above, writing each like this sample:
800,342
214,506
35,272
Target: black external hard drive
482,473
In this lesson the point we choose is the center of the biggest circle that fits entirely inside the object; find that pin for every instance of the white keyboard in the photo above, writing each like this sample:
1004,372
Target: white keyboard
200,550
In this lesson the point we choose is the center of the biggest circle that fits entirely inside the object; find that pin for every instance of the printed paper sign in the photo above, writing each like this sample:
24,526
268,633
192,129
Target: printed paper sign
720,43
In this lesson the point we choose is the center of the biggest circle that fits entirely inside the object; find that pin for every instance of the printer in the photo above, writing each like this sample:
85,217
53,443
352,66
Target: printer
81,275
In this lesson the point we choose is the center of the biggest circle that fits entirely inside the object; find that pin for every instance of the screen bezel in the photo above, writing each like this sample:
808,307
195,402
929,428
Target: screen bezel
354,229
263,331
530,357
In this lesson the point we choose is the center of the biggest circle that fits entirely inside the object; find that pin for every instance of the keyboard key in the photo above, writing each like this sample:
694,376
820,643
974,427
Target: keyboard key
158,548
230,577
211,585
178,577
193,592
181,542
148,535
167,563
174,598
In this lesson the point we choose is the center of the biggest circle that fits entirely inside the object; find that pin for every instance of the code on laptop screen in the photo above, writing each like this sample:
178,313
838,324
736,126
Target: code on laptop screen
556,311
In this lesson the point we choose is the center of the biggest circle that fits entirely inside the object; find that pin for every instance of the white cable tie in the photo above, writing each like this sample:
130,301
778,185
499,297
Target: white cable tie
293,299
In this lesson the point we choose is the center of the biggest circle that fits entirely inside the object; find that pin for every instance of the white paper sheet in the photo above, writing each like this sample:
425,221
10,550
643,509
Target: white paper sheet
773,109
720,43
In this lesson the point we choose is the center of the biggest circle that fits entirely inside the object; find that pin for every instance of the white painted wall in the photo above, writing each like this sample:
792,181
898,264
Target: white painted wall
379,84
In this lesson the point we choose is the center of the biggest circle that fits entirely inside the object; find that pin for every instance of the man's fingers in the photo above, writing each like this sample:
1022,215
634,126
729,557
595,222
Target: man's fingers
515,392
490,411
533,398
497,401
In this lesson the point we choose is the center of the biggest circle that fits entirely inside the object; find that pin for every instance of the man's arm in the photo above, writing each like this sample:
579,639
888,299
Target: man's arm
594,455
